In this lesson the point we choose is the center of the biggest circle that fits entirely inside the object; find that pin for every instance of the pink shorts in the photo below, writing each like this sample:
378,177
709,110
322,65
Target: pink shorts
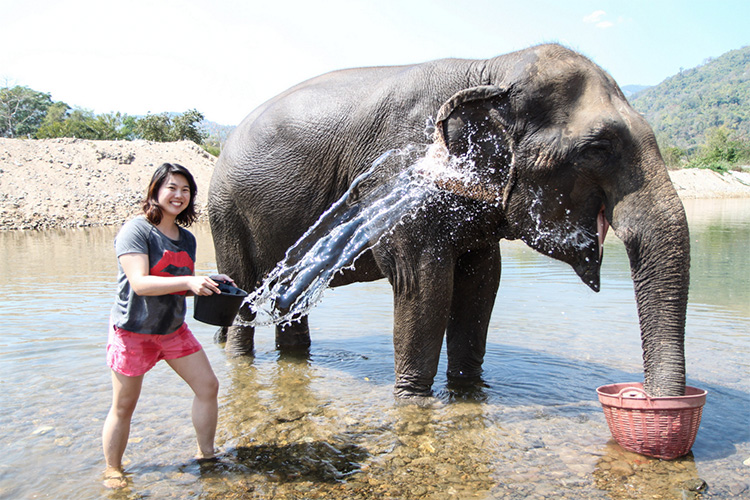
133,354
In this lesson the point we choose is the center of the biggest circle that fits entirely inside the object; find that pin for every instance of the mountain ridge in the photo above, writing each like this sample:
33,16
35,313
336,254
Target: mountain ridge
685,107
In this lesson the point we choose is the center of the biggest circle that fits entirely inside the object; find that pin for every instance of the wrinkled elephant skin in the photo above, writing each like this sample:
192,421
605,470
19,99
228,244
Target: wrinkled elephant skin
544,127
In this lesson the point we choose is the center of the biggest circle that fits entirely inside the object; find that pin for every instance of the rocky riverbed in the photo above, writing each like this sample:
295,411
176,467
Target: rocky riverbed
59,183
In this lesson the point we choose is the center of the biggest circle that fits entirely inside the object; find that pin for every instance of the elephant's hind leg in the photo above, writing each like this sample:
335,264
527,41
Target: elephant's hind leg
476,279
240,337
235,250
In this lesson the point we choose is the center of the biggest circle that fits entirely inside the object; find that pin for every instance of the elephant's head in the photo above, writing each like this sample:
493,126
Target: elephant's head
569,156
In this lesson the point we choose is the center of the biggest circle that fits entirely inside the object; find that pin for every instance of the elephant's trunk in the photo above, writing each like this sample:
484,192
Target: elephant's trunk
651,222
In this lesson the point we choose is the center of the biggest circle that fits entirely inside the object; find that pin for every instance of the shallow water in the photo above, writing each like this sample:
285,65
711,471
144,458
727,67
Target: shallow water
326,426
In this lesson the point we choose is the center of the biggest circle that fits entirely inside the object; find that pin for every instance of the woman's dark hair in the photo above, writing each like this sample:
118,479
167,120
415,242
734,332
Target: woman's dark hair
150,204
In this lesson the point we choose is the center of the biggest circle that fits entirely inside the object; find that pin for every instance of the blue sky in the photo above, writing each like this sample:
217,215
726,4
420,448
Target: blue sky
225,57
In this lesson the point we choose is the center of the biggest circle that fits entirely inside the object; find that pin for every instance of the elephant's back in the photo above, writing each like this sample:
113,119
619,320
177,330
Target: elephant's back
310,141
288,160
296,154
348,102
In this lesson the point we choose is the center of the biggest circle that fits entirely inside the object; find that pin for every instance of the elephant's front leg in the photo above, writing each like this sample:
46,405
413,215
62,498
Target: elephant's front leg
294,336
421,311
475,283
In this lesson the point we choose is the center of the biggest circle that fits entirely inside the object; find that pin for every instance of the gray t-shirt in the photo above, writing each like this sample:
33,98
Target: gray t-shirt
161,314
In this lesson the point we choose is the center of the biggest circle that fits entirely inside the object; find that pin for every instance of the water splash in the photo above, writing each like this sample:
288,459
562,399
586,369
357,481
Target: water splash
565,233
351,226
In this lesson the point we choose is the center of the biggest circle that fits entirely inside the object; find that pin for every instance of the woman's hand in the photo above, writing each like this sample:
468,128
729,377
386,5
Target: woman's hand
224,278
135,267
203,285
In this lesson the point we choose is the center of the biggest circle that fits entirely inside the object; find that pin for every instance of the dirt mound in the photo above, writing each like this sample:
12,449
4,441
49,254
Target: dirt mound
77,183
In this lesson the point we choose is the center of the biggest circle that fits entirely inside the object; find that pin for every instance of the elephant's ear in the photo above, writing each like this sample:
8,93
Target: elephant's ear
468,95
477,101
474,124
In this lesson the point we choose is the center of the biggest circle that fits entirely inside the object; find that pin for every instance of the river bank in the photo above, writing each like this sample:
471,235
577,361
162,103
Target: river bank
59,183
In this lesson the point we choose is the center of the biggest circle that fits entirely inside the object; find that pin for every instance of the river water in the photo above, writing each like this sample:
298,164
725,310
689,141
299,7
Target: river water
326,425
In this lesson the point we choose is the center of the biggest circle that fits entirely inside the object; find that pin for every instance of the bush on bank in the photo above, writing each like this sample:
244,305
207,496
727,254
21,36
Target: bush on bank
27,113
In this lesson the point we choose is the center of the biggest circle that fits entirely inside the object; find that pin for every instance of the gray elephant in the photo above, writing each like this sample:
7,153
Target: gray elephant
544,128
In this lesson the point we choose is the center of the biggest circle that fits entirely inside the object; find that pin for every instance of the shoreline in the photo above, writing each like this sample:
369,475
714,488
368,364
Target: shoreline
68,183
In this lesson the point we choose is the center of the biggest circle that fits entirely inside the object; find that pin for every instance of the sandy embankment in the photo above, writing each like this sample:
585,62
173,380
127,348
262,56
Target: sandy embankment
57,183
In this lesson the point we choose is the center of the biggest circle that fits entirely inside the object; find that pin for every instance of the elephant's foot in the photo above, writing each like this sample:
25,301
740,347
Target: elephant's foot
469,373
419,401
467,388
294,336
407,390
240,340
220,336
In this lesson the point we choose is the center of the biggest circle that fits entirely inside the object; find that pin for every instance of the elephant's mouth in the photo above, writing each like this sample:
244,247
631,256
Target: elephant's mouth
589,269
602,226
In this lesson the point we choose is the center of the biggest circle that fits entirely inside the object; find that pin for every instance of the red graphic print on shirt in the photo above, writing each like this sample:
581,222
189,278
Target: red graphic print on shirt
173,264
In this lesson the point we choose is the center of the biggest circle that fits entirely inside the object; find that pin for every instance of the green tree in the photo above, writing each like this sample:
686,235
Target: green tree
165,127
53,123
61,121
26,112
114,126
154,127
81,123
129,127
687,107
186,127
673,156
22,111
722,151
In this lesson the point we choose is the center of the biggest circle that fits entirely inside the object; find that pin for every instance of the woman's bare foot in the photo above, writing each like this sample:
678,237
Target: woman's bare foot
114,479
206,457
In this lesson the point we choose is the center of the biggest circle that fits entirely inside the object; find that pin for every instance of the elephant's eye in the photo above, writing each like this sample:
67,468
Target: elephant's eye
594,155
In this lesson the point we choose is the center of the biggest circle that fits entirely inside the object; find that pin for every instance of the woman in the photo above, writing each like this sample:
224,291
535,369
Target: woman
155,271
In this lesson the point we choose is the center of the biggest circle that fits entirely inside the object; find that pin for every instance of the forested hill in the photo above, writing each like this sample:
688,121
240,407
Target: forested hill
684,107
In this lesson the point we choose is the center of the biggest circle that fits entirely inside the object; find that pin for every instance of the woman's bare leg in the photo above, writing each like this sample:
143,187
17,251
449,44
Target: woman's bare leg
196,370
125,393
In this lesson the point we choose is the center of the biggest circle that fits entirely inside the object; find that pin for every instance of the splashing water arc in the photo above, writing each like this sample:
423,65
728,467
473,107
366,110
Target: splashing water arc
351,226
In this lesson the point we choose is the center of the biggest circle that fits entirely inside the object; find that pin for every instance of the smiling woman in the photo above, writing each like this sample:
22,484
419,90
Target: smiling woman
156,259
172,190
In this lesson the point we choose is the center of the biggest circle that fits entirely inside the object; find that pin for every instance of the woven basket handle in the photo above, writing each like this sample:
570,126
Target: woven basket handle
625,390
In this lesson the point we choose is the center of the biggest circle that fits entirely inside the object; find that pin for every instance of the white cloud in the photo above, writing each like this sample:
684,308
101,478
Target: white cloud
594,17
597,18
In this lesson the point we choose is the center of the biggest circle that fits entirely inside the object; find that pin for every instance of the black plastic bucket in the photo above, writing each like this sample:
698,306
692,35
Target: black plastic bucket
219,309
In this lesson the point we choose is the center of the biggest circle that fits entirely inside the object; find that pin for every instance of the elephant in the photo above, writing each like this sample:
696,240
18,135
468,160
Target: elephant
544,128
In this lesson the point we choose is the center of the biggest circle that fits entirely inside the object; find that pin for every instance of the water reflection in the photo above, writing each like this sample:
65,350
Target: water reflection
326,425
720,238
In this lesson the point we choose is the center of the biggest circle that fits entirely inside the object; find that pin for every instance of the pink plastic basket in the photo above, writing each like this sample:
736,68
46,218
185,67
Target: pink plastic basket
663,427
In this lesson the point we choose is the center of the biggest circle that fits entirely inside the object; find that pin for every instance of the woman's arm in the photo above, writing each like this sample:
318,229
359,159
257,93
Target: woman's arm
135,266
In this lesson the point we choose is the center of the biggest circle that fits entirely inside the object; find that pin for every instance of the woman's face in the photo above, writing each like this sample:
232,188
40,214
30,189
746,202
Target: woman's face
174,195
